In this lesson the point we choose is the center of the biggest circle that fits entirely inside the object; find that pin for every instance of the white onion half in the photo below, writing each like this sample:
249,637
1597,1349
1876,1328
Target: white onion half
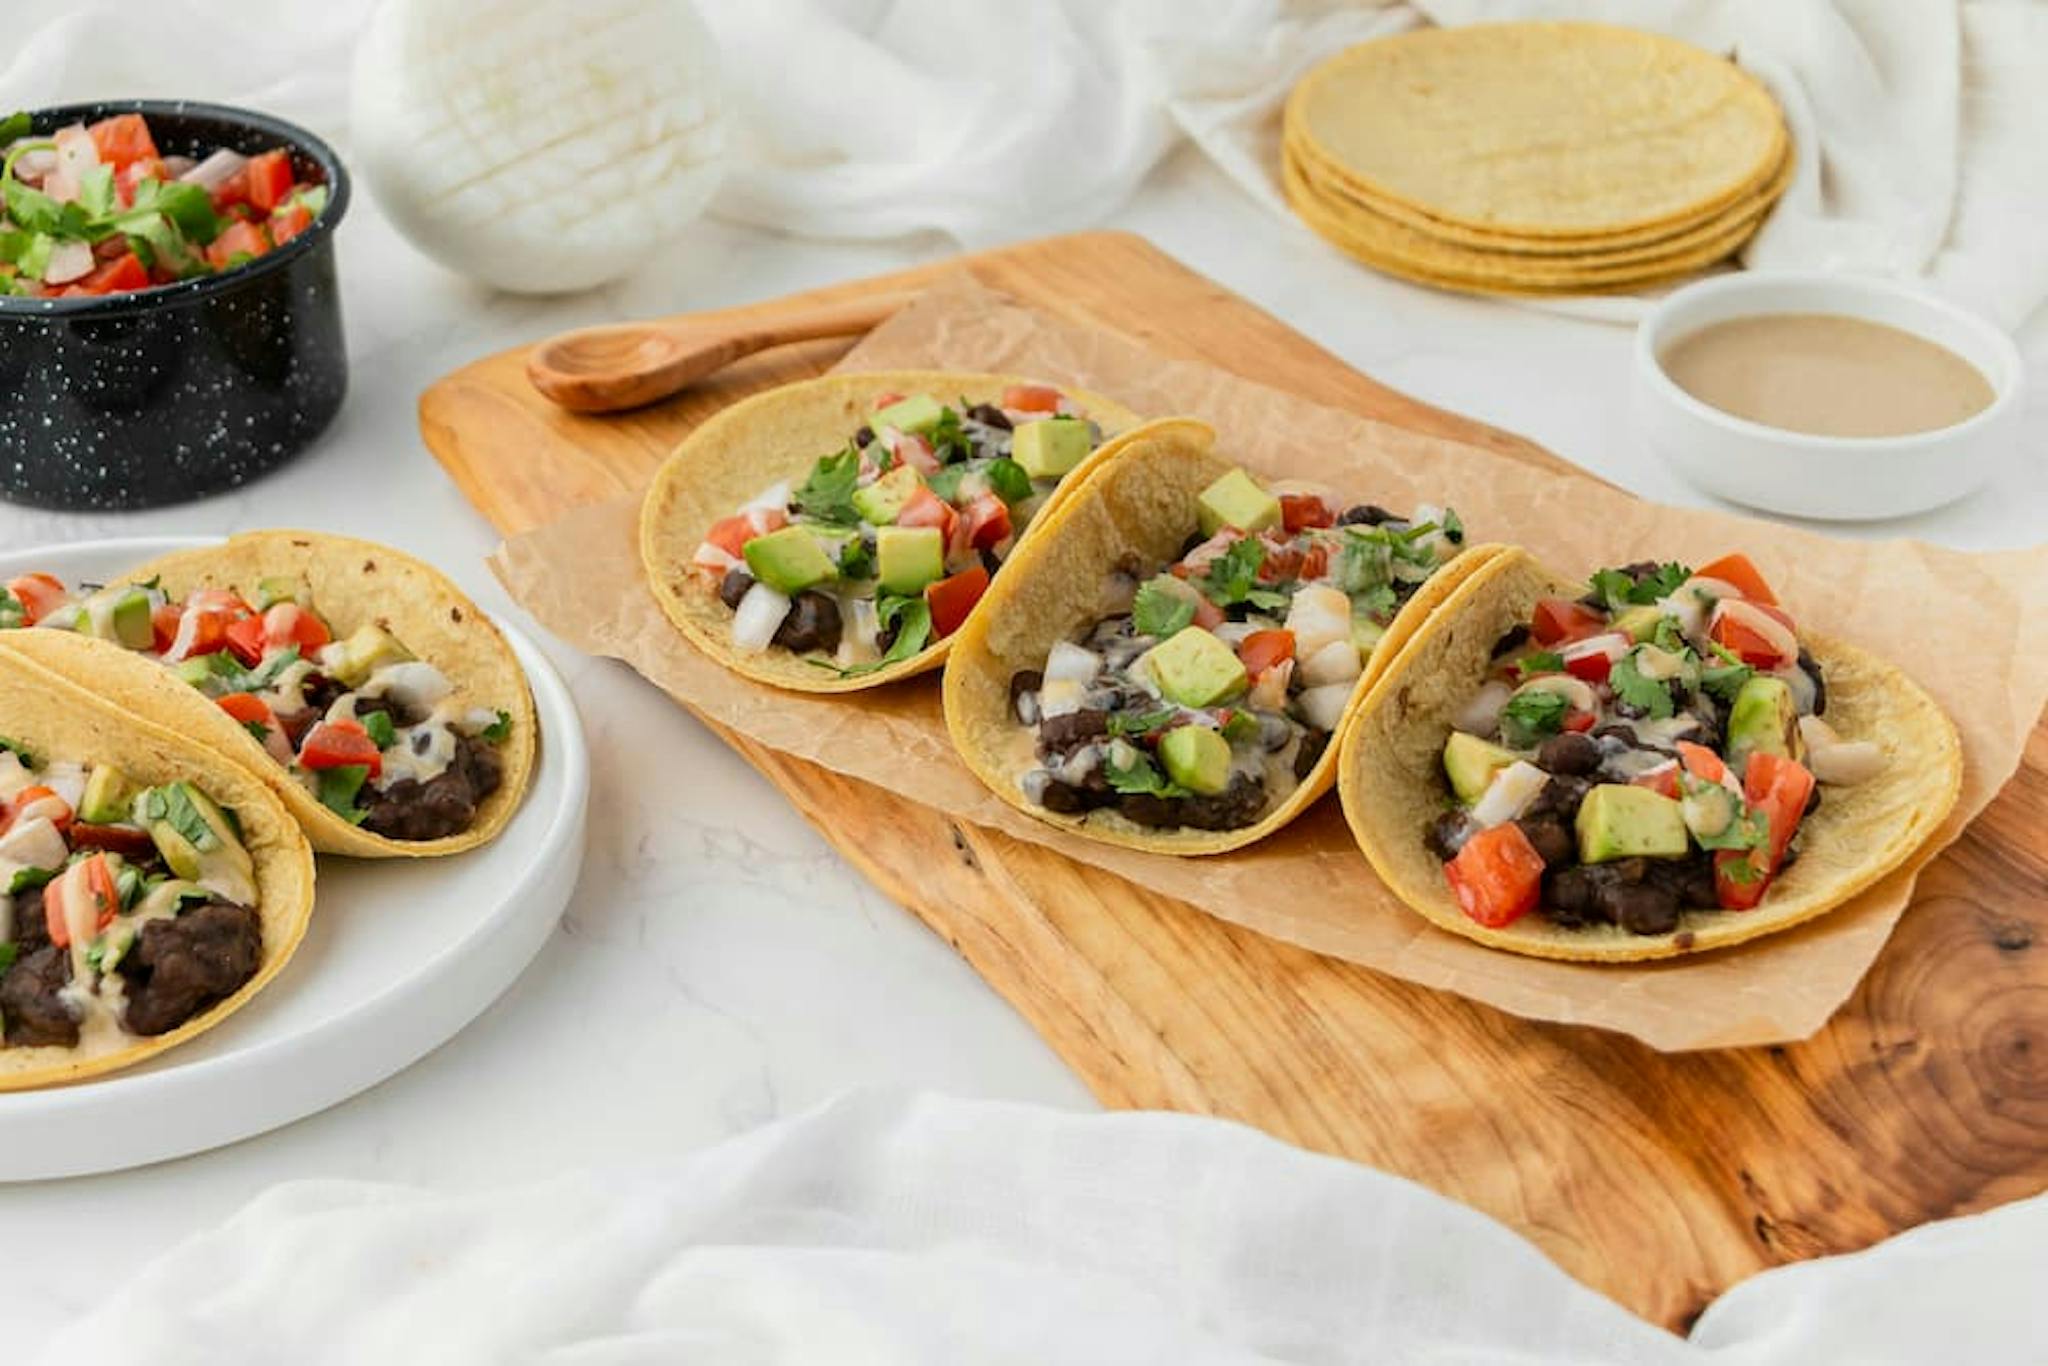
535,146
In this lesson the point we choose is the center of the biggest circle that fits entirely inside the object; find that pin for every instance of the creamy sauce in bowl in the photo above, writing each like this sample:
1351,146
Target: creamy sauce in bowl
1826,374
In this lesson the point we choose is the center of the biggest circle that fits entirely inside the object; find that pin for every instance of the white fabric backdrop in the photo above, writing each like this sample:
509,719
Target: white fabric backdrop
902,1230
1918,121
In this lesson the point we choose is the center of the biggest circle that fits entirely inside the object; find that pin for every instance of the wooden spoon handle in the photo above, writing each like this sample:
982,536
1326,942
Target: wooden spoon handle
627,365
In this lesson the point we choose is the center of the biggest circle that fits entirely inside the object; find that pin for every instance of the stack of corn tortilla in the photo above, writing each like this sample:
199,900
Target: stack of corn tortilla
1534,158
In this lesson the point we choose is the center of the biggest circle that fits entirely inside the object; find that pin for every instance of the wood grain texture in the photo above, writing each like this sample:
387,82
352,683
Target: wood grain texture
1657,1180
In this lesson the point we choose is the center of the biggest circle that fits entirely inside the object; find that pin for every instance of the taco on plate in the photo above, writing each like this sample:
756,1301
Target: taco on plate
1652,763
832,535
148,888
1164,666
367,690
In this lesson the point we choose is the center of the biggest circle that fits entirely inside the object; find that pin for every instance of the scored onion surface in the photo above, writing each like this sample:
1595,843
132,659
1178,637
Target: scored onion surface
535,146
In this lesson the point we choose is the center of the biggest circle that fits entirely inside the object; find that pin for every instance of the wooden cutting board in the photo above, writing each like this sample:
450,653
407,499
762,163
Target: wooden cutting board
1657,1180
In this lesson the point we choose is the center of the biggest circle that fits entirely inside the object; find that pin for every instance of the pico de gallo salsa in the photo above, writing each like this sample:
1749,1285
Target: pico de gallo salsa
1206,700
376,734
97,209
889,543
1642,751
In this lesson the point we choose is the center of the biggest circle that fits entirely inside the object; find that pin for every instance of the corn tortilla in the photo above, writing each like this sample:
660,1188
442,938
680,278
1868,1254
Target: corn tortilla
56,720
1139,503
354,583
779,435
1541,128
1392,784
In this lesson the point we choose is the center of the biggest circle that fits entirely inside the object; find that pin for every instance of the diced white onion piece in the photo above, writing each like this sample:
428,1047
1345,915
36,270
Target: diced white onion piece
35,165
1577,691
1205,554
76,151
68,261
1753,618
14,775
1269,692
1061,697
1336,662
1069,662
33,842
774,498
1835,760
1610,644
715,558
1232,633
216,170
414,683
758,617
1318,615
1509,794
864,625
1692,600
67,781
1481,714
1324,706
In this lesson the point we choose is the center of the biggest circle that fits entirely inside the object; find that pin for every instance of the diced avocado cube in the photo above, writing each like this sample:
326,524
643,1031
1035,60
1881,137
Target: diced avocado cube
910,557
789,560
282,588
197,840
196,670
128,618
1237,500
367,649
1470,763
1049,449
919,413
1638,623
1763,720
880,502
1366,633
108,796
1197,758
1621,820
1195,669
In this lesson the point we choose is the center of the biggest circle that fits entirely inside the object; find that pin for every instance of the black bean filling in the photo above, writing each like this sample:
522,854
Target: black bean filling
442,806
175,969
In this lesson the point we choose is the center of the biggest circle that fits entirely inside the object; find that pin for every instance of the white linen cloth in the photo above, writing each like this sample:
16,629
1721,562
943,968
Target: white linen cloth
1918,121
903,1230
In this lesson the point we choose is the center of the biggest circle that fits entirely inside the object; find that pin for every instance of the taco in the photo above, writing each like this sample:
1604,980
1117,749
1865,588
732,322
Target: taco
1165,664
148,888
832,535
378,701
1655,763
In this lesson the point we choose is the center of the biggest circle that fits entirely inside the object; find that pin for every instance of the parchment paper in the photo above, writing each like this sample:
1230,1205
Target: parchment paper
1972,628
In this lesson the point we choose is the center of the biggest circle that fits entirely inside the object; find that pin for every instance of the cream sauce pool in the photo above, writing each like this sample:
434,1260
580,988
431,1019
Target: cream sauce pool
1826,375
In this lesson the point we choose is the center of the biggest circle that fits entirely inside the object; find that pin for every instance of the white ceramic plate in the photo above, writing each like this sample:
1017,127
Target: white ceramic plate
401,954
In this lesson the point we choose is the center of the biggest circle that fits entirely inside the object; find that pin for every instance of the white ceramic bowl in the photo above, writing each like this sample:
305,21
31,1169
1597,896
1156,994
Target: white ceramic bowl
1831,477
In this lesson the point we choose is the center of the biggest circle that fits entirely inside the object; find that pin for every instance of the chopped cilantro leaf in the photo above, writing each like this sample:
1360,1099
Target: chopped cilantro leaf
949,443
96,190
172,805
828,494
1234,573
339,788
1454,527
1648,696
15,127
257,729
1241,726
6,956
381,732
1670,636
1125,723
28,879
1620,589
1723,681
1159,610
1377,602
856,560
912,620
946,483
1131,773
1009,480
1532,716
1540,662
497,732
21,752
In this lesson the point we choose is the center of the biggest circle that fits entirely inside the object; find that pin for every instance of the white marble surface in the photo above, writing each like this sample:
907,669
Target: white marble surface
719,965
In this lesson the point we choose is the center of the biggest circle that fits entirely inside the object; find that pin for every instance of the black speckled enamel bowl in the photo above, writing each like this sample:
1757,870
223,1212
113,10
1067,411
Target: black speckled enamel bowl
161,395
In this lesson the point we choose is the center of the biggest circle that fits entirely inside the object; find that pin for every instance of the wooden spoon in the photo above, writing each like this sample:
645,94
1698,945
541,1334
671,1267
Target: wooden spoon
625,365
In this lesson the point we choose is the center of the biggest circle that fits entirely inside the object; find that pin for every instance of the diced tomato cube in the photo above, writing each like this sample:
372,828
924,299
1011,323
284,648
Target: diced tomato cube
887,398
1497,875
1594,667
1558,621
1663,780
237,239
1579,721
91,877
133,174
287,623
1302,510
163,620
951,599
1208,615
1280,563
925,508
1263,650
1737,570
270,178
916,452
38,801
340,744
38,594
1778,788
731,534
288,222
122,139
1747,643
124,272
246,639
988,521
1031,398
1701,762
248,708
